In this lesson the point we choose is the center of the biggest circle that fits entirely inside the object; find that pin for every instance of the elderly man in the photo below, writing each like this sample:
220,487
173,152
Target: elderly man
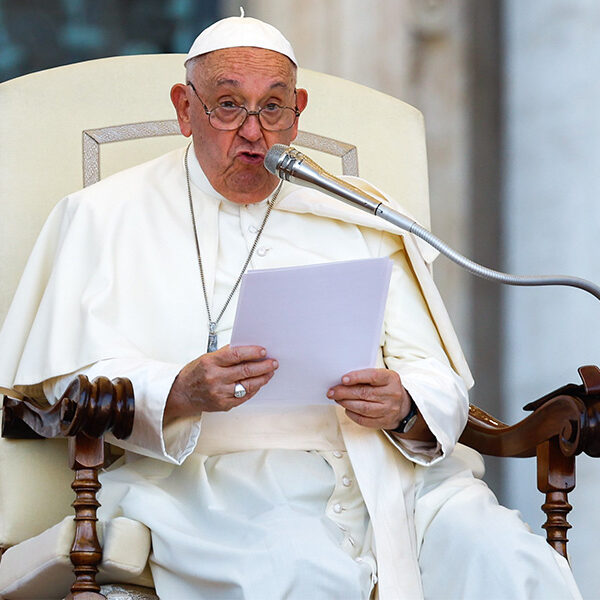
364,496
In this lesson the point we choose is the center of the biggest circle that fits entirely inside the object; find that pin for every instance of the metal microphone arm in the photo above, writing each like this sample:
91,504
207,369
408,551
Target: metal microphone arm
291,165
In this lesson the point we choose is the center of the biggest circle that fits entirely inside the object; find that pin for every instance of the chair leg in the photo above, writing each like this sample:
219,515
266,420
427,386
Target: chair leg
557,508
86,457
556,478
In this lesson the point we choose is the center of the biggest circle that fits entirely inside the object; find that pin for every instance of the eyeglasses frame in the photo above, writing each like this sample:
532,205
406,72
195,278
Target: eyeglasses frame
249,113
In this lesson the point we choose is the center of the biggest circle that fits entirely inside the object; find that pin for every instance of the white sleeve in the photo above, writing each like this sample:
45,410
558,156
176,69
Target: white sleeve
152,381
414,350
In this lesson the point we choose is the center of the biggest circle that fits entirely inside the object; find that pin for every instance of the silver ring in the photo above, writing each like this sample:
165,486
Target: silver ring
239,391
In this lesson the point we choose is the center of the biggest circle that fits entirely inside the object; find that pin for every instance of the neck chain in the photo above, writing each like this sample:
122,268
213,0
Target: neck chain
212,323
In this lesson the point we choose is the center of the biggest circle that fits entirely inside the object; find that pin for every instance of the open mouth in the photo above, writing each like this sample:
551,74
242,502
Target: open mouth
251,158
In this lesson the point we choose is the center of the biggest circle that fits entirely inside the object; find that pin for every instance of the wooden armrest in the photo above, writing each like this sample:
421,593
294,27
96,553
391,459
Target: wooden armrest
91,408
570,413
561,425
84,413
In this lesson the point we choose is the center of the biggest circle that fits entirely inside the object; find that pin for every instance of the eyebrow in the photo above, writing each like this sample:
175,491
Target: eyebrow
232,82
235,83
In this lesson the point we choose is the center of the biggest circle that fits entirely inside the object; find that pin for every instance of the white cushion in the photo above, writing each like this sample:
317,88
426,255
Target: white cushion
35,487
40,567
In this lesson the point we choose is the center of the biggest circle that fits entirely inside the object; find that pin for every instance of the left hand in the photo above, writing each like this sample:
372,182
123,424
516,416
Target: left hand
372,397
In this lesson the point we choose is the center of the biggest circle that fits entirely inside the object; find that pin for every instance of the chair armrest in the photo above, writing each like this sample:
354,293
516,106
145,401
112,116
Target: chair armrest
562,424
570,413
91,408
84,413
558,417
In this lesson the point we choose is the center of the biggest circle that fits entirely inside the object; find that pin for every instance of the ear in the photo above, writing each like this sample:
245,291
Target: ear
179,98
301,99
301,102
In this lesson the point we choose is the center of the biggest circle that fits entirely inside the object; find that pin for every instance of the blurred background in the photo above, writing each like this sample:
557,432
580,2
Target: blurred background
510,93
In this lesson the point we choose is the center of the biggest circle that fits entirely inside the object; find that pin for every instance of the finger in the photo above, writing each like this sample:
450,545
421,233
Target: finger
248,370
374,423
252,386
224,399
376,377
357,392
233,355
374,410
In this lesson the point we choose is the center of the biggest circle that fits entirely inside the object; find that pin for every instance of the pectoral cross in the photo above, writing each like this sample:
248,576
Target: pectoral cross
212,337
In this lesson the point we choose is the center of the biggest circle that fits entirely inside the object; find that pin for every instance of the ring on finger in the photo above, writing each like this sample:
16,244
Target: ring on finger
239,391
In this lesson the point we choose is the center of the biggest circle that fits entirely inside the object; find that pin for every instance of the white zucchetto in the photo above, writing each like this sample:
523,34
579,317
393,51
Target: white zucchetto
234,32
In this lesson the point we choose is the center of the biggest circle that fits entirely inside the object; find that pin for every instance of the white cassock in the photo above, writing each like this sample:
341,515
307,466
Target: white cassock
256,504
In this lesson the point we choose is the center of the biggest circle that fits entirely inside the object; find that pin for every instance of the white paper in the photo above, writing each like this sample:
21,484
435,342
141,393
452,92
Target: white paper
319,321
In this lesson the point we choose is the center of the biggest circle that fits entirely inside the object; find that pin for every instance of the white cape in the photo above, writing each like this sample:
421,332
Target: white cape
84,297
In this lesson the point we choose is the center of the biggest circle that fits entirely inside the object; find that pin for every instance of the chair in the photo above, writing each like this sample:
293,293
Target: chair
88,120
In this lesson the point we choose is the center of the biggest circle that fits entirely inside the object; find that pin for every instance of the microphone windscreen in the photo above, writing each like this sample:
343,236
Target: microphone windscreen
273,156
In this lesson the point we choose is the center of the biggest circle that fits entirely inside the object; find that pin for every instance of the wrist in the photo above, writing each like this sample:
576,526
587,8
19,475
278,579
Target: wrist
409,420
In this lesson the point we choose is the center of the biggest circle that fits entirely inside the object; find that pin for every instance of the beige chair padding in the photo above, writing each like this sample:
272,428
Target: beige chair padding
35,487
41,567
44,117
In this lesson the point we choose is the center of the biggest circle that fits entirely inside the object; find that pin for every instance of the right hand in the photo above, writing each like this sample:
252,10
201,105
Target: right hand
206,383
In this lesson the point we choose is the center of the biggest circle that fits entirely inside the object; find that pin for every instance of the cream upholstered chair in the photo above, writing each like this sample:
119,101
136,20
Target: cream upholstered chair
68,127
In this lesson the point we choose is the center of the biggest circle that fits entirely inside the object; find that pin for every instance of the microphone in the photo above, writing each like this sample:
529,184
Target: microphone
291,165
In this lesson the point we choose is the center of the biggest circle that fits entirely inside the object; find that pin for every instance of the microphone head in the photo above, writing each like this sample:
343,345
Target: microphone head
274,156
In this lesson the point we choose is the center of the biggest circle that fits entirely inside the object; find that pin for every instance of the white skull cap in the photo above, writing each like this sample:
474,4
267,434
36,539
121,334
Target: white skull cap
234,32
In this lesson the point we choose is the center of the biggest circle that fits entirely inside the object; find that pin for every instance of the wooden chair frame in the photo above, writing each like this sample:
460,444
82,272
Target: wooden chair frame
85,412
562,424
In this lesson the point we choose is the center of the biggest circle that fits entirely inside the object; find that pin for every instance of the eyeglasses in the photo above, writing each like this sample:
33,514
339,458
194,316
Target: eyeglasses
229,116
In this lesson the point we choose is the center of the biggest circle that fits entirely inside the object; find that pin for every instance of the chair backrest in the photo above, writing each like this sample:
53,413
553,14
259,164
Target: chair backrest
71,125
66,127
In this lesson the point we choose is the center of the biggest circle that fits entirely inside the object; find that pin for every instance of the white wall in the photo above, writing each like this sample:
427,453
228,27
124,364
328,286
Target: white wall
552,223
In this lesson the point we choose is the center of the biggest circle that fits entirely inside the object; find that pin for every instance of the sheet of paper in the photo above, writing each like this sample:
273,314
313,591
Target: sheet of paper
319,321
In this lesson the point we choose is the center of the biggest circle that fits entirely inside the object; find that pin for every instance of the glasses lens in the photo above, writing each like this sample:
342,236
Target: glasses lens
227,117
272,117
277,118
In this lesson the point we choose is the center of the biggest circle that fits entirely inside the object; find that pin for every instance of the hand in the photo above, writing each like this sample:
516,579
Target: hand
373,398
206,383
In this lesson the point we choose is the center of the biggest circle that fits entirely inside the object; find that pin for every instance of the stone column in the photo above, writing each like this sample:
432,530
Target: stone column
552,224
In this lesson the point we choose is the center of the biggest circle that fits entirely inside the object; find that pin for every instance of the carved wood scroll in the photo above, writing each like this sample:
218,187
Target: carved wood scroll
84,413
562,425
92,408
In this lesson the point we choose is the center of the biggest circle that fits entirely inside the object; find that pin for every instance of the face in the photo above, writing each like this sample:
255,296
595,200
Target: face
250,77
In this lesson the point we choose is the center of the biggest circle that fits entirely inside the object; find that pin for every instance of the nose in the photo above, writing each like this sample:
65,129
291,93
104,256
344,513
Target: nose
250,128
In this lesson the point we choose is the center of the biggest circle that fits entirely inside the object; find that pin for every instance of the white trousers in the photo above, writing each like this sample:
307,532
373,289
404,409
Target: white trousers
472,548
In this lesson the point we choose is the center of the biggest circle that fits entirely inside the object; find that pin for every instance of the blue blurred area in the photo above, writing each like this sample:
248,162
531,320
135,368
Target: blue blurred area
39,34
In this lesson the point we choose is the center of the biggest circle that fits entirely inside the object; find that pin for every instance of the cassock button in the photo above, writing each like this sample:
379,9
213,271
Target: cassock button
337,454
253,229
346,481
337,508
262,251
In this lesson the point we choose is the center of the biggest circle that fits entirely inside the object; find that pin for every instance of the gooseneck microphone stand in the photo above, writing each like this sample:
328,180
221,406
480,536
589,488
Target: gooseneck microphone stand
291,165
